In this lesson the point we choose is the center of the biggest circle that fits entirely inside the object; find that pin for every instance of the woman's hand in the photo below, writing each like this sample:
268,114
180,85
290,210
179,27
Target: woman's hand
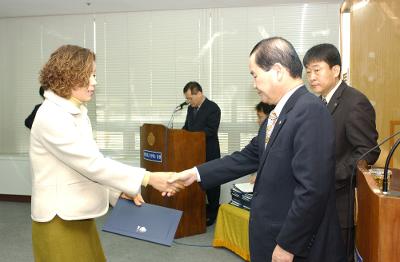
137,199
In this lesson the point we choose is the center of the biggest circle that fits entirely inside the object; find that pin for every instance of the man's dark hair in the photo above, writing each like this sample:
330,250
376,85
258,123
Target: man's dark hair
277,50
327,53
193,86
263,107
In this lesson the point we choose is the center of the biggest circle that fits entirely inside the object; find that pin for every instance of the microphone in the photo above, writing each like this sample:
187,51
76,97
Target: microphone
178,108
182,105
372,149
349,204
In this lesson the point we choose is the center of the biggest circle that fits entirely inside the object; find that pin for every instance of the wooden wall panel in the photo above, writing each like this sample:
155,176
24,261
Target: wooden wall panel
374,63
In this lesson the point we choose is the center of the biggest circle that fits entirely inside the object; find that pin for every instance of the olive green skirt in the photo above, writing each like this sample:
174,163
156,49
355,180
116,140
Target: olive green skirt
65,241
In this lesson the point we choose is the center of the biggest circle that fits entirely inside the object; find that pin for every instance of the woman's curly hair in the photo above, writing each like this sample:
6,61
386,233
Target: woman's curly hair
70,66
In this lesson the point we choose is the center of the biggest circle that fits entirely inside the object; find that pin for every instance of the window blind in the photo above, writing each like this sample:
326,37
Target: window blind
143,61
25,45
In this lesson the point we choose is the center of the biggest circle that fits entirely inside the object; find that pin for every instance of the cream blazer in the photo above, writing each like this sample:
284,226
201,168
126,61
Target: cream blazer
70,177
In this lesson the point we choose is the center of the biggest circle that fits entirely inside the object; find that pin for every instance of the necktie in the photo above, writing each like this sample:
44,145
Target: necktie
324,100
270,125
195,110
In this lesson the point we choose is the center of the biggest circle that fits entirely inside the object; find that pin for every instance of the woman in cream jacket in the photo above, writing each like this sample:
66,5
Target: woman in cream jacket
72,182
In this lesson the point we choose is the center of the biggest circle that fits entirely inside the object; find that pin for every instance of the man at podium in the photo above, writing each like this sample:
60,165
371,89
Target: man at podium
205,115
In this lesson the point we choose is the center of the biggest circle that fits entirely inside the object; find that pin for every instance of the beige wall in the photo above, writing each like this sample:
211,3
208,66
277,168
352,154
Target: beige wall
374,63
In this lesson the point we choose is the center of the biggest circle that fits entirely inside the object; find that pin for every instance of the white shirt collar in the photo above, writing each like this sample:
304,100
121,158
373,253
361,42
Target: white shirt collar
330,94
278,108
68,105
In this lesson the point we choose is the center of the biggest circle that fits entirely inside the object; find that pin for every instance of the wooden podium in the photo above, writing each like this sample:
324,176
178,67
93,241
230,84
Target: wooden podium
378,223
163,149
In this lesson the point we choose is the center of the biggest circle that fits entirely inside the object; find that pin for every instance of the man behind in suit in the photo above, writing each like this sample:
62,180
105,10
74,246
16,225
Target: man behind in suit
205,115
263,110
29,120
355,128
293,214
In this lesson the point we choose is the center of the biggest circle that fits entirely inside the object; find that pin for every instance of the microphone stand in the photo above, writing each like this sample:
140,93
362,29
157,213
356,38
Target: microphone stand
170,123
385,170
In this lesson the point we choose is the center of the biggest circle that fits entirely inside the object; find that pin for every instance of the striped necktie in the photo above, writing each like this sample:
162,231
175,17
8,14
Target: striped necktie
270,125
324,100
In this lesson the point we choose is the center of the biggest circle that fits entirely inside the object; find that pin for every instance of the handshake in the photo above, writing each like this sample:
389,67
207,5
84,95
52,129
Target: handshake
169,183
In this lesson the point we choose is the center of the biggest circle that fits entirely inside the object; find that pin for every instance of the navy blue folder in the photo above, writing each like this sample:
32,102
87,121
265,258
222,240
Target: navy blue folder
148,222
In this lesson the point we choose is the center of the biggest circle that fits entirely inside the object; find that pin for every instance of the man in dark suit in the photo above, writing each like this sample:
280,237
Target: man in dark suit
205,115
355,128
293,215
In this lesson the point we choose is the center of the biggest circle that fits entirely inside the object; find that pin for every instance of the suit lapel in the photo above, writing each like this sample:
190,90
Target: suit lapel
191,117
275,131
261,138
335,100
201,108
279,123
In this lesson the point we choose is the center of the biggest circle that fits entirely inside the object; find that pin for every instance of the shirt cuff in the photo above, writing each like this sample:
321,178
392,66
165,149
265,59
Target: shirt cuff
146,179
197,174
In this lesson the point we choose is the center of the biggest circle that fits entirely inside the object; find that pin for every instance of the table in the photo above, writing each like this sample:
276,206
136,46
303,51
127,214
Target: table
232,230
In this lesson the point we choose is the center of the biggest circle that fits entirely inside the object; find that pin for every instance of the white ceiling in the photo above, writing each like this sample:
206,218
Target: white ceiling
17,8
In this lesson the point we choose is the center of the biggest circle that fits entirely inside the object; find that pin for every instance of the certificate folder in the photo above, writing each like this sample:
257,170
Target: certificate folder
148,222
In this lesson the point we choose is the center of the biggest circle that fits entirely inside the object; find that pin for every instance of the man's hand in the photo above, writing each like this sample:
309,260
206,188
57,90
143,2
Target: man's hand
186,177
281,255
160,181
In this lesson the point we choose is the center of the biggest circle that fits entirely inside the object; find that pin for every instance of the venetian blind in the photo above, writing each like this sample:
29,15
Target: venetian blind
143,61
25,45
